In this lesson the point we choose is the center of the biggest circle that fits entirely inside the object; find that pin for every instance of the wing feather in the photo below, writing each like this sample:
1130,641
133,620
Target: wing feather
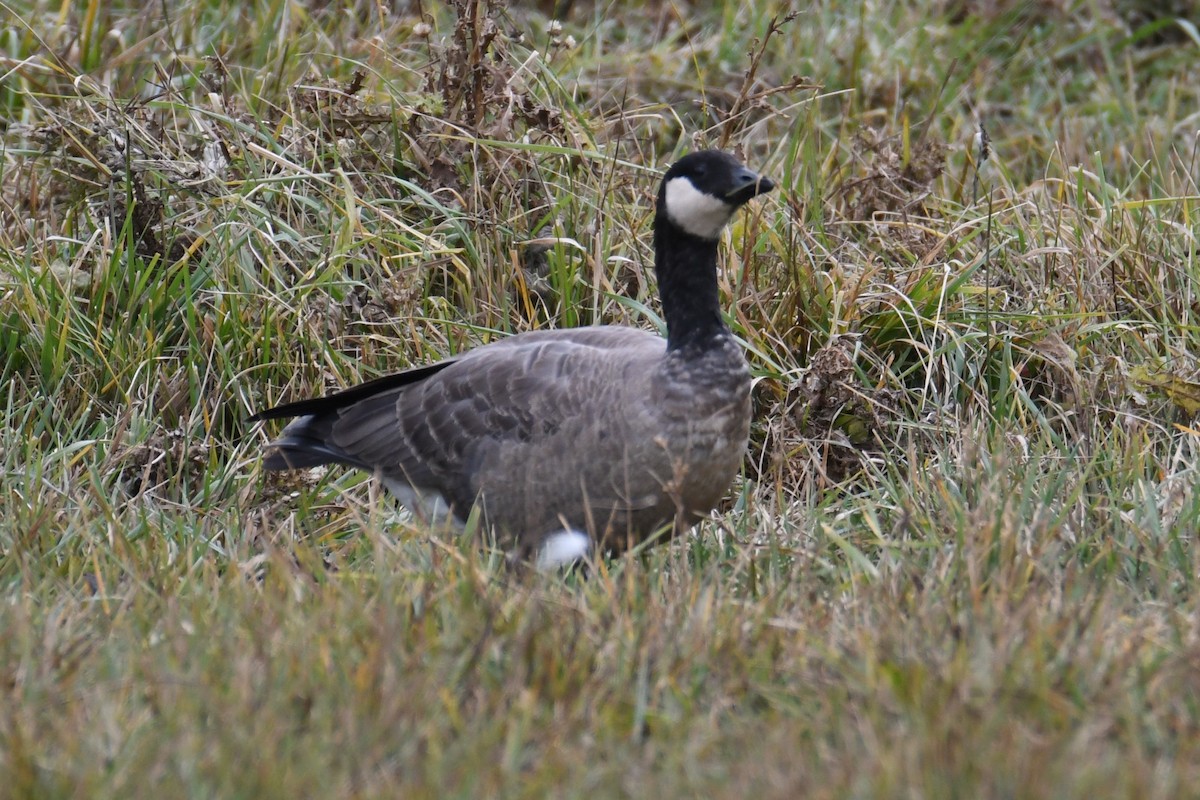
448,430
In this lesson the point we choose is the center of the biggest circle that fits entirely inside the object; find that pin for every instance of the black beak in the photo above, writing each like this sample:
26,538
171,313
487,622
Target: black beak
748,184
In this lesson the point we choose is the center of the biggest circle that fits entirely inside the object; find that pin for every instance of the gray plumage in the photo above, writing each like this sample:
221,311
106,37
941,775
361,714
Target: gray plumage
607,430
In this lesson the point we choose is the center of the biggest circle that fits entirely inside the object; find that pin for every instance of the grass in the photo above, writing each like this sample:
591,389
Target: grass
961,561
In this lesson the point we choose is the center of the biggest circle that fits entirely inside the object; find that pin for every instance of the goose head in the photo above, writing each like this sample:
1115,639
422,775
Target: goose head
702,190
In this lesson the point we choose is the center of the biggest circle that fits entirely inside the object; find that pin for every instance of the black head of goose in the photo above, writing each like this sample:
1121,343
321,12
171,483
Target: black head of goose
571,439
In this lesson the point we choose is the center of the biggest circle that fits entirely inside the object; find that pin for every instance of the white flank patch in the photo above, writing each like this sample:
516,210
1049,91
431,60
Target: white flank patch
697,213
563,548
430,507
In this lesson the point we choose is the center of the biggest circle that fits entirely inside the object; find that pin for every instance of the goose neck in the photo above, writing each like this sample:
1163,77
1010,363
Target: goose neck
686,267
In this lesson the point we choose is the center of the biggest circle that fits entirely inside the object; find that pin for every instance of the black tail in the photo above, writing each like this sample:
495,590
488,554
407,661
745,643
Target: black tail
304,444
317,406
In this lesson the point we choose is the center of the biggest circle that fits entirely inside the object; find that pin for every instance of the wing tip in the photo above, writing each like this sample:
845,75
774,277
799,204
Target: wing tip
277,412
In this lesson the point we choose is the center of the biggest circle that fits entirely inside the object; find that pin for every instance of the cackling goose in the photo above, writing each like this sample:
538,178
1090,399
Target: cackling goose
572,439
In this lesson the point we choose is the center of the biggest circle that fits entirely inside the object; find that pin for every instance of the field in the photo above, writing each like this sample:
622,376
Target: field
961,559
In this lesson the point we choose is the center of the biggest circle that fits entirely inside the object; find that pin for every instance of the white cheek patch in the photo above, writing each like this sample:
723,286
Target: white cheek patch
697,213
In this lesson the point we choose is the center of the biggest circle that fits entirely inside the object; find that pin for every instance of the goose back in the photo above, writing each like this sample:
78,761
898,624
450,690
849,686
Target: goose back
652,439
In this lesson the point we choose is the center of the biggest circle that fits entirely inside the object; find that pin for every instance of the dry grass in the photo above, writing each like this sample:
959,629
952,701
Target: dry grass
961,559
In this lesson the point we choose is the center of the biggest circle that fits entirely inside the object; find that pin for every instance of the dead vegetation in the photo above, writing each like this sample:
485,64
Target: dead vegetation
893,176
828,421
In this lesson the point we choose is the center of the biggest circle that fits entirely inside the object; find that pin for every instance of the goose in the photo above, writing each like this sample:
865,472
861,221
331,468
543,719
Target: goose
566,441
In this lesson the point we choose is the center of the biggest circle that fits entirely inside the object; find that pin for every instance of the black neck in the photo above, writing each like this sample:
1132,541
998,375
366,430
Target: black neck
686,266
